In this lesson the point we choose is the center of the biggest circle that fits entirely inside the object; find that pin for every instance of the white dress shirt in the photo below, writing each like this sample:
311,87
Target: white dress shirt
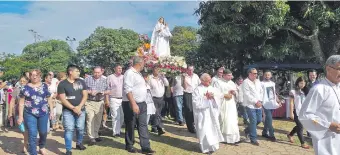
178,88
252,93
157,85
134,83
191,83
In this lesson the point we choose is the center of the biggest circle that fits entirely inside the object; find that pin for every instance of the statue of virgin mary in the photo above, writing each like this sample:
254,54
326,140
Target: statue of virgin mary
160,39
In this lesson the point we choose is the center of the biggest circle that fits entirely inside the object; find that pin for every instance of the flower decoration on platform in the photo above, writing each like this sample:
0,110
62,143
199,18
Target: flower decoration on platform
171,66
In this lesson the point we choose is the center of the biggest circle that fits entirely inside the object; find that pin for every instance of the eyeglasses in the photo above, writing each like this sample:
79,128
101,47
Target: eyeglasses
254,73
338,69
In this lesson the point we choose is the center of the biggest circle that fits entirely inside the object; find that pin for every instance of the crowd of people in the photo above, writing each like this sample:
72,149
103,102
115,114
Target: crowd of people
208,106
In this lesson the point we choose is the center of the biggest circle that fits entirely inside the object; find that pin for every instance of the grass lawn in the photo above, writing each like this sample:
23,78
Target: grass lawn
178,141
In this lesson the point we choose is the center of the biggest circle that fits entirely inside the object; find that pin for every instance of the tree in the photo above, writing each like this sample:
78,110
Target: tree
106,46
184,40
51,55
272,30
15,66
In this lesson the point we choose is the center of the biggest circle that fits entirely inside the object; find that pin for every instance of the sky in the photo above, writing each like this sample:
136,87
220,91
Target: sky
59,19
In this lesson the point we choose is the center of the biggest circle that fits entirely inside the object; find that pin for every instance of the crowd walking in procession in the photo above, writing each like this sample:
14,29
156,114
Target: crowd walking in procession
208,107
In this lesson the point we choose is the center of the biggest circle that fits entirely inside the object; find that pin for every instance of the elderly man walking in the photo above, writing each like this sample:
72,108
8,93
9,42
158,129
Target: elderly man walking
206,103
252,98
320,112
135,107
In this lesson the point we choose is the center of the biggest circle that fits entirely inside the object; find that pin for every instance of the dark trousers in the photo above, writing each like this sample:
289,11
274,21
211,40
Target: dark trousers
188,112
298,129
131,119
156,119
169,108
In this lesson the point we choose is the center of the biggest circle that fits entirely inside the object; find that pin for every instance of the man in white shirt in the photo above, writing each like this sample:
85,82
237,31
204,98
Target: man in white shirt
135,108
177,91
270,103
157,83
252,97
190,82
320,112
115,84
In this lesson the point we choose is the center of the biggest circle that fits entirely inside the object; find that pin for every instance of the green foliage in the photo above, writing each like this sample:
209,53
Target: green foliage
272,31
106,46
184,40
51,55
15,66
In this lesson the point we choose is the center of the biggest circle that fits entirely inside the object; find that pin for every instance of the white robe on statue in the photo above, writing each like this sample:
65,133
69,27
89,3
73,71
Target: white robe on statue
320,108
160,40
228,113
206,114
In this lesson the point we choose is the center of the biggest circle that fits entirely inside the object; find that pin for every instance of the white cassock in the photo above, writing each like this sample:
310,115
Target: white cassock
228,113
215,81
160,40
320,108
206,114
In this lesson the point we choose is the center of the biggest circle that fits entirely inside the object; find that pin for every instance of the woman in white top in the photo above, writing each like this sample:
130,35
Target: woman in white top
297,97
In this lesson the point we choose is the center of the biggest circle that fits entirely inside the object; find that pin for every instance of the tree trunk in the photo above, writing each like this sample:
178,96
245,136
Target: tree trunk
317,50
336,47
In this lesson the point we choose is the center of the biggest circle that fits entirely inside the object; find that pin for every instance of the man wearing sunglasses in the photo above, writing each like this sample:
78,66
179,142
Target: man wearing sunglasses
252,98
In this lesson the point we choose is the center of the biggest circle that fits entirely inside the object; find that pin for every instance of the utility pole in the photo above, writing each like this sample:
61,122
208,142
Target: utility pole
71,40
37,37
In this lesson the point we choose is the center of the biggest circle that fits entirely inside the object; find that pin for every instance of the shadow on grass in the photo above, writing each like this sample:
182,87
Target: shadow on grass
180,131
177,143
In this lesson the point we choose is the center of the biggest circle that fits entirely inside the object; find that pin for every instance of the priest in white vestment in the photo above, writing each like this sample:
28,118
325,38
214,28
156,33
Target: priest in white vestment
218,76
320,112
228,110
206,103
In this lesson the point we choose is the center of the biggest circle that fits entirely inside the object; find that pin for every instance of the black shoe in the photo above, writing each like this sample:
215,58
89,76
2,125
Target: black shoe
160,132
99,139
92,142
273,139
116,136
255,143
80,147
147,151
131,150
192,131
154,130
68,153
266,136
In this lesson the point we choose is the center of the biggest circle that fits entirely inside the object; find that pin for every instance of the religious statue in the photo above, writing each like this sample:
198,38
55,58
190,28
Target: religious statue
160,39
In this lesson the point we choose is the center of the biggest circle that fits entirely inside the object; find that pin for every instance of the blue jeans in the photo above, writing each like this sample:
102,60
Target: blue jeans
71,121
179,104
243,110
34,125
255,118
268,123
